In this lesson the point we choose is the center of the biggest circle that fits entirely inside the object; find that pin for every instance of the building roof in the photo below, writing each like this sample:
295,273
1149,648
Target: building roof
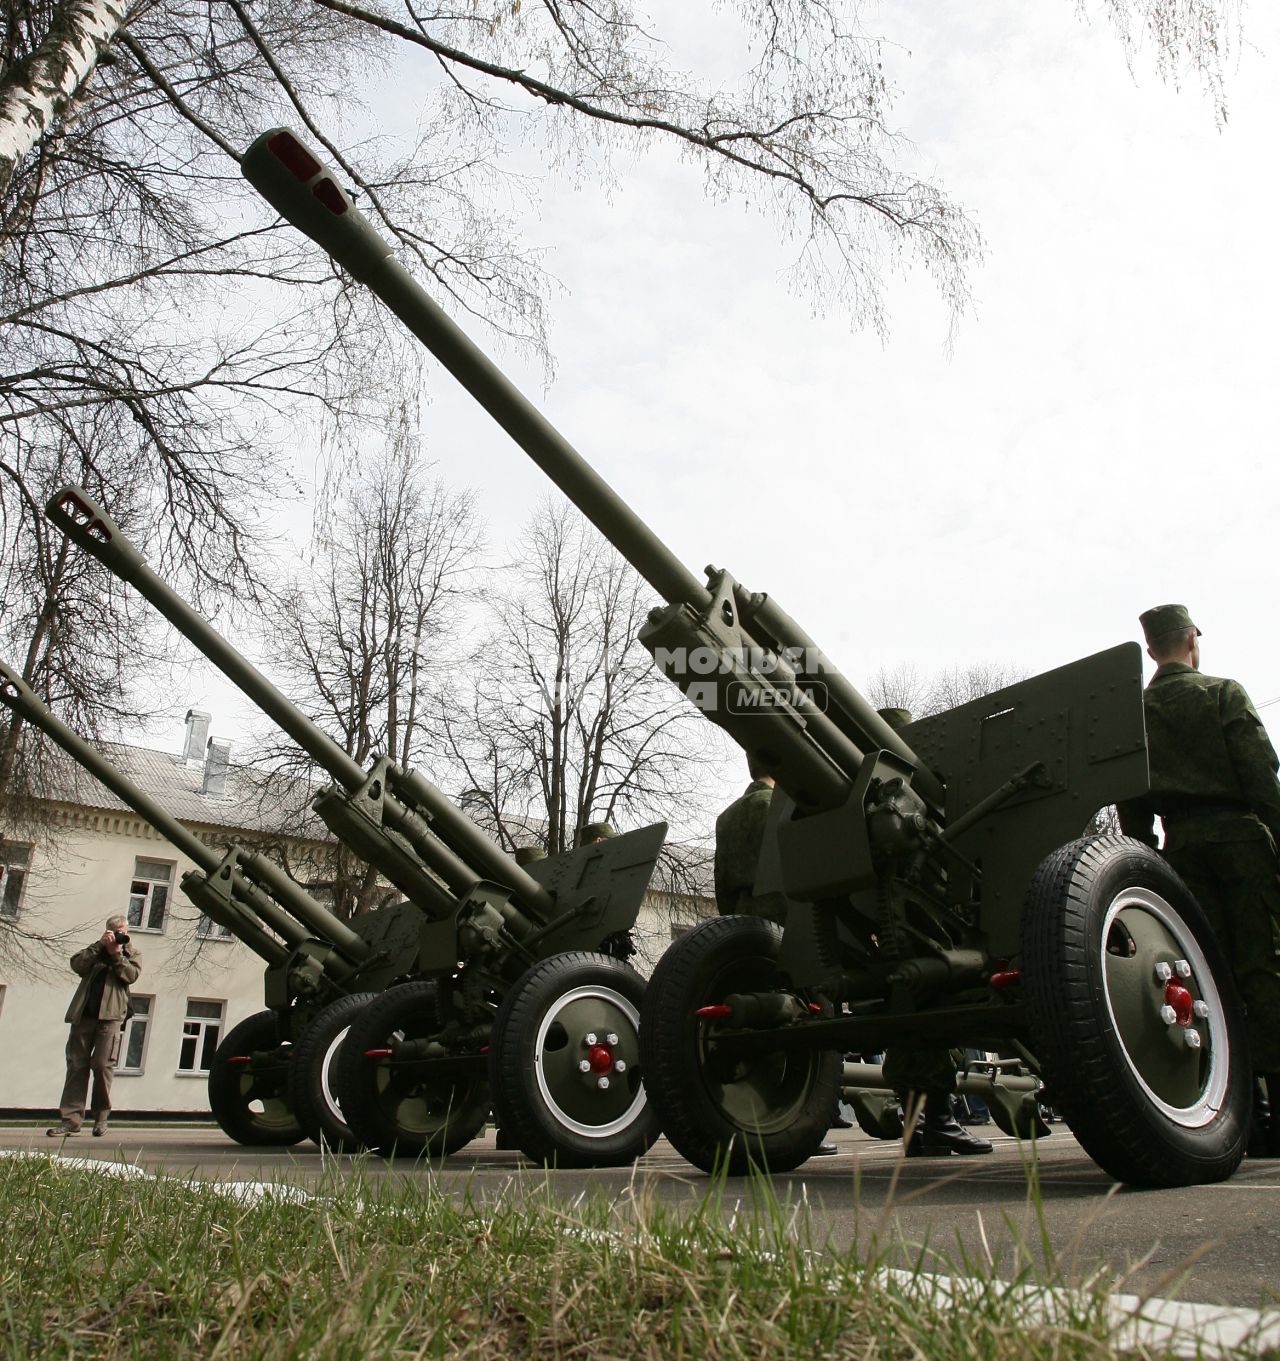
251,801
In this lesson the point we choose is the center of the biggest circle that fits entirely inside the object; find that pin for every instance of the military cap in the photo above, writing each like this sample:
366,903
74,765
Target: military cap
595,831
1162,619
895,718
526,855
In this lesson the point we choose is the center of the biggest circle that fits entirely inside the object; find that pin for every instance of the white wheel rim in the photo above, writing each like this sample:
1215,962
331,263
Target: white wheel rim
1216,1046
326,1067
550,1018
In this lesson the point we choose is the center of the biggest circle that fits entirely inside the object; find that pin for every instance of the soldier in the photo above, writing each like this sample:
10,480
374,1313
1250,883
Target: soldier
927,1073
591,832
1214,787
739,836
526,855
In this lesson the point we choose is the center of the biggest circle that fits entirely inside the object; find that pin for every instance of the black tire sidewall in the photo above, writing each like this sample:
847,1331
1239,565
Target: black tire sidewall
321,1122
226,1101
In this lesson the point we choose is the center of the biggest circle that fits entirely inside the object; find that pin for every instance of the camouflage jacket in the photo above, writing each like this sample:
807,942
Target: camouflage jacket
1210,755
739,837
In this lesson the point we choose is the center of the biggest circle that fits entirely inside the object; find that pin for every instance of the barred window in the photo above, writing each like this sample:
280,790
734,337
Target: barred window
14,861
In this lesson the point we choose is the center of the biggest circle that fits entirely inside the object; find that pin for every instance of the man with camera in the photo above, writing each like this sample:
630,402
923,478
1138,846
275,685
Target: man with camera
97,1015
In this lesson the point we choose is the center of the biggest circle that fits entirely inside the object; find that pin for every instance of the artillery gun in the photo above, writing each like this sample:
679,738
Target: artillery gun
497,986
939,889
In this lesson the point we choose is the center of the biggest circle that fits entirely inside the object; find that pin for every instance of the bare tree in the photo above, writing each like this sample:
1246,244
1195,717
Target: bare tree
905,687
569,722
364,641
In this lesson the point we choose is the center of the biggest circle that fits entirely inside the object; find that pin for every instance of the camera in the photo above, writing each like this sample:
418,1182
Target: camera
122,937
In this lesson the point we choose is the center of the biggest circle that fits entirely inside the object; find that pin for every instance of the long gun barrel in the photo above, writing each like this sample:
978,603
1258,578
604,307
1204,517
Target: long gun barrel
444,839
243,891
755,647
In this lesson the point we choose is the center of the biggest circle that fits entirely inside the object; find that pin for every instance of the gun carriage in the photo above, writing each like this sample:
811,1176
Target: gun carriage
939,888
488,986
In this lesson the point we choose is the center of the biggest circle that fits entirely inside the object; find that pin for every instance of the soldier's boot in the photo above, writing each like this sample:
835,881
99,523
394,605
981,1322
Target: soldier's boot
938,1133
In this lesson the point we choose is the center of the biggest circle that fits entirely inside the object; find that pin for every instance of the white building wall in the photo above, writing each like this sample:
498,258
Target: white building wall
72,886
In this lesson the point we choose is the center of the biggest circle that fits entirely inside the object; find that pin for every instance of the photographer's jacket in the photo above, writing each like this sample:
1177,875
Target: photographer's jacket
94,964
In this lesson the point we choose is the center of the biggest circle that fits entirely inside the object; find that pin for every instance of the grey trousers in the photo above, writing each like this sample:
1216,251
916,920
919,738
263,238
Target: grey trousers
92,1048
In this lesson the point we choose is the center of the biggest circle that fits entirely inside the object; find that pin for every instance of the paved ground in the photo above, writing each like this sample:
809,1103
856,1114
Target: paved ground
1217,1244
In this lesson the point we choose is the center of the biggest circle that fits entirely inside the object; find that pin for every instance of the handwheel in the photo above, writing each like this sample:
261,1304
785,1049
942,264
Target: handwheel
312,1088
1134,1016
564,1063
249,1084
721,1102
397,1091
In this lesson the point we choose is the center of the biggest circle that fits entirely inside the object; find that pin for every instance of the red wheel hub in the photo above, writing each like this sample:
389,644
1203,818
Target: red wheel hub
600,1057
1177,997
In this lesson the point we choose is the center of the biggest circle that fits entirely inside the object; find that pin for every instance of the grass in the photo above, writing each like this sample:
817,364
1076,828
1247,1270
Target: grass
98,1266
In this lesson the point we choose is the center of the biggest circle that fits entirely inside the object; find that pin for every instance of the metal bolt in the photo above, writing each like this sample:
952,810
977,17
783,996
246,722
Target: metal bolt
1183,969
1200,1008
590,1038
620,1066
1163,972
583,1066
611,1038
1192,1038
603,1082
1168,1015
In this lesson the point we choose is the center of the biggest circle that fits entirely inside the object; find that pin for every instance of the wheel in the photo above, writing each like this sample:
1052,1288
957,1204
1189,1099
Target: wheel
394,1102
878,1114
564,1063
735,1108
249,1085
312,1087
1133,1015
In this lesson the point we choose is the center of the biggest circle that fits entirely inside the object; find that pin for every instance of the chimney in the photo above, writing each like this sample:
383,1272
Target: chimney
196,736
216,761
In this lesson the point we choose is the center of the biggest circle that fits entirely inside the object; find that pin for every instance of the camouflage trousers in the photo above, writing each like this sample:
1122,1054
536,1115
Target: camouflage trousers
927,1069
1233,873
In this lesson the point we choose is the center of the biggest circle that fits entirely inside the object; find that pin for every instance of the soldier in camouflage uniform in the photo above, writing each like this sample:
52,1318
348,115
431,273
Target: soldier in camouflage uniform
739,836
1214,787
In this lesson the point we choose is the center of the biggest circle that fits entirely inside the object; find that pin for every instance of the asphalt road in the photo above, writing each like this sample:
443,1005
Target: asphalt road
1214,1244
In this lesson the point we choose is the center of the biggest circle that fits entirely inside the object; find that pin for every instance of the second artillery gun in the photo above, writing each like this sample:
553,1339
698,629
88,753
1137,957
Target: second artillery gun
939,890
489,986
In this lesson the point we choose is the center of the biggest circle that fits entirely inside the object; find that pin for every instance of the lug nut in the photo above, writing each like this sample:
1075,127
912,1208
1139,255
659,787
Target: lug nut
1200,1008
611,1038
1182,969
1192,1038
583,1066
620,1066
590,1038
603,1082
1168,1015
1163,972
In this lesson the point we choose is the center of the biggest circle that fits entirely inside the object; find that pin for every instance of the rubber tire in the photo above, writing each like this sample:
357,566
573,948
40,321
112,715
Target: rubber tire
312,1074
442,1119
693,1101
545,1106
233,1088
1100,1079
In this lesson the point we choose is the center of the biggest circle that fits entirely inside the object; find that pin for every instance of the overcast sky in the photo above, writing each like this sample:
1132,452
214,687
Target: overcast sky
1100,439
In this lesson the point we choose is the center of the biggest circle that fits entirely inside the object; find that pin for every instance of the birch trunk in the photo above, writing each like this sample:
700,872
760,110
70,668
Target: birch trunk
35,91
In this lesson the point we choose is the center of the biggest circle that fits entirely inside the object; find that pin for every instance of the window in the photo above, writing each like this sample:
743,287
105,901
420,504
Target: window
149,894
200,1034
133,1043
13,875
209,929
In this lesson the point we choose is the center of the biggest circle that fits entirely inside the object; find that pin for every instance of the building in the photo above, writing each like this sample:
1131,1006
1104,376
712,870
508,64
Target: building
90,857
94,857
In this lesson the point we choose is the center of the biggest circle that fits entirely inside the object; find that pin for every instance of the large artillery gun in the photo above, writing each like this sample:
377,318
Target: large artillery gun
498,986
939,888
